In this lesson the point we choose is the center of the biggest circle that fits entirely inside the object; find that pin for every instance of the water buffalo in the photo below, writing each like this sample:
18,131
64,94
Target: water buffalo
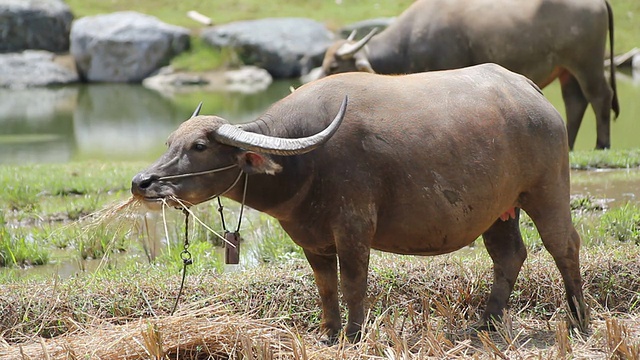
416,164
541,39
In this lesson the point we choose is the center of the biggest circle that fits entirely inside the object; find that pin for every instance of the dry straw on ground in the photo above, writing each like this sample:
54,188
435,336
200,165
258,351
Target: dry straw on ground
213,333
418,308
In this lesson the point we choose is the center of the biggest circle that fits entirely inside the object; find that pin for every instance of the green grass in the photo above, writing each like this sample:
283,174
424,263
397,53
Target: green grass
621,224
38,202
45,207
48,207
50,214
607,159
202,57
22,247
174,12
627,27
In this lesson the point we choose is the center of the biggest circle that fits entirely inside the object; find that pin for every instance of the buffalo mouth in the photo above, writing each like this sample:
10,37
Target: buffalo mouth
157,195
157,202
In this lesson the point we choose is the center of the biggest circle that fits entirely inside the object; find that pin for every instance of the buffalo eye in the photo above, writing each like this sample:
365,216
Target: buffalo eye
199,147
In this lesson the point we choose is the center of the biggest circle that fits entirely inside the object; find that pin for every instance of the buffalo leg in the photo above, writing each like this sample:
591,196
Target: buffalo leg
551,214
354,267
561,239
599,94
507,250
575,104
325,272
601,103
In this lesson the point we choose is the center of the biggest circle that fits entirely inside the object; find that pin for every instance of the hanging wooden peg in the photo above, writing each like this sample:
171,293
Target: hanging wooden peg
232,247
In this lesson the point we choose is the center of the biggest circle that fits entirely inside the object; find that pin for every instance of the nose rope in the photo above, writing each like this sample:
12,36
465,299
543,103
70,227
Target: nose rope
185,206
178,176
231,239
235,182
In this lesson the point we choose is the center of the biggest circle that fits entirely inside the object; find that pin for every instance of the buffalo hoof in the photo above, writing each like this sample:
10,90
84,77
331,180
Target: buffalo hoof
327,340
330,340
489,325
354,337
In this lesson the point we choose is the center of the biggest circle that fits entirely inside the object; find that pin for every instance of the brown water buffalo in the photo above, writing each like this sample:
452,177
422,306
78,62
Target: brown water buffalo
416,164
541,39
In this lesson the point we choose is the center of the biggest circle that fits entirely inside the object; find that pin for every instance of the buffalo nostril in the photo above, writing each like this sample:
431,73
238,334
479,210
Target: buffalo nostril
143,181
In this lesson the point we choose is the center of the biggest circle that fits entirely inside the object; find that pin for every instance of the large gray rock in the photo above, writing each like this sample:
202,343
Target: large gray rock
285,47
248,80
34,24
33,68
124,46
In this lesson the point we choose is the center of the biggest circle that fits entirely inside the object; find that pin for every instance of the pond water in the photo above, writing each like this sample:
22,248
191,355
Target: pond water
124,121
611,188
109,121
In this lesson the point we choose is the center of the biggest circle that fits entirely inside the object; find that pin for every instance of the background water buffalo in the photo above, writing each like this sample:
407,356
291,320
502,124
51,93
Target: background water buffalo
541,39
421,164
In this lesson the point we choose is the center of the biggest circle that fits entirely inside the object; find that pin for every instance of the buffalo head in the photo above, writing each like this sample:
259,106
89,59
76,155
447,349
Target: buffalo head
348,55
206,157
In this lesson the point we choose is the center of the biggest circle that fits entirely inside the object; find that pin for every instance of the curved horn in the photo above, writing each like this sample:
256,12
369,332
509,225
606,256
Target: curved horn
234,136
348,49
195,113
352,35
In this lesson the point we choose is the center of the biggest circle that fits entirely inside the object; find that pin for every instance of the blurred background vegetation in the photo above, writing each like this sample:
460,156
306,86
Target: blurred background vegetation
333,13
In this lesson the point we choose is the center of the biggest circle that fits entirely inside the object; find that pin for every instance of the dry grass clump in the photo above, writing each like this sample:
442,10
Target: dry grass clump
117,210
418,309
208,332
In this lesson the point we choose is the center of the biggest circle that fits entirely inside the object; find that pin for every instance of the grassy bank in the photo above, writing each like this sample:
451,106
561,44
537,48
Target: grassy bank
616,159
45,209
334,14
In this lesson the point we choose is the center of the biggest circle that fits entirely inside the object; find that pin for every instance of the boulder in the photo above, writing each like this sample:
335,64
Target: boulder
33,68
34,24
285,47
124,46
248,80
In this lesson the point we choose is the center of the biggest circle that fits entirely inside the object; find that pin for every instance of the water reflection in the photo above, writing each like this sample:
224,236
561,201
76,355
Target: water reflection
36,124
121,119
114,121
614,188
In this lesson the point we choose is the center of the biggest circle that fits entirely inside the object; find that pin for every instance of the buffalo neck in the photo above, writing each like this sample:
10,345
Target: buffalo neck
279,195
387,54
276,195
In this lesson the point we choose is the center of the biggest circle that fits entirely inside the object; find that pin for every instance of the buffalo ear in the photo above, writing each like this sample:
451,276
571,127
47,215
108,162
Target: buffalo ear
255,163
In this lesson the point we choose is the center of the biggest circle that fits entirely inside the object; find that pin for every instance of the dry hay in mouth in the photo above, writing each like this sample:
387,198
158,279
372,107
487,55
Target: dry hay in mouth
113,212
124,216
